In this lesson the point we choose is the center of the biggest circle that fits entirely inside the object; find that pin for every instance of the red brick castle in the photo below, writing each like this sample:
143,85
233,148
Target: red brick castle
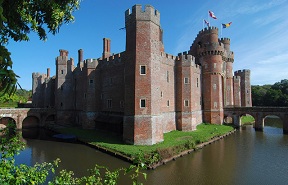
144,92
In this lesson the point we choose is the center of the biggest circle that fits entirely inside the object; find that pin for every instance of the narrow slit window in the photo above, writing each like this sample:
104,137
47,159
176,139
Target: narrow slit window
142,70
186,103
142,103
186,80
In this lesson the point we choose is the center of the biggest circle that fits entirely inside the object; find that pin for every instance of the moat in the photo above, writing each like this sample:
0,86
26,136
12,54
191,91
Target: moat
246,157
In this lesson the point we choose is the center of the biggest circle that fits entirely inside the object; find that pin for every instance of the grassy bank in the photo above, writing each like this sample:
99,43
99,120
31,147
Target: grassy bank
174,142
247,120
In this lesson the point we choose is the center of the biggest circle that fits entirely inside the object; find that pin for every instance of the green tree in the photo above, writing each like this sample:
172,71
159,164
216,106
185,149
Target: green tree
10,173
20,17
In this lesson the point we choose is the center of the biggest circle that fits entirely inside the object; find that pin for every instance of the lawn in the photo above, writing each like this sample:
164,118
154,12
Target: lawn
174,142
246,120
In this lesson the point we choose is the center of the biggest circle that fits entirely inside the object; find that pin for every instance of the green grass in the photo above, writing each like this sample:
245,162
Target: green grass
245,120
174,142
9,105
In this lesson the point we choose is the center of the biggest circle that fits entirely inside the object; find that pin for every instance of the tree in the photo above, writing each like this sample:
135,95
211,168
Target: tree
11,173
18,18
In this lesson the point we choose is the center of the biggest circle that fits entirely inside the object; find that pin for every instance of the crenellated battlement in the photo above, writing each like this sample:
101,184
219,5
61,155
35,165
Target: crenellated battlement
185,59
242,72
223,40
149,13
39,76
168,56
91,63
113,60
208,30
236,78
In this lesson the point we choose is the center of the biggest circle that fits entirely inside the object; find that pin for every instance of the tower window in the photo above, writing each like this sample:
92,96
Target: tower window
91,81
121,104
186,80
167,75
109,103
186,103
62,72
168,103
142,70
197,83
142,103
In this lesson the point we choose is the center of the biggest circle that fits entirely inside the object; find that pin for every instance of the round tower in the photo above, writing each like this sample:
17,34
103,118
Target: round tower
210,52
143,48
226,42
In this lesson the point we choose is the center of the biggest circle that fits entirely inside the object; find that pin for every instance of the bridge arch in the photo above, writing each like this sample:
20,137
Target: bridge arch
50,119
31,122
4,121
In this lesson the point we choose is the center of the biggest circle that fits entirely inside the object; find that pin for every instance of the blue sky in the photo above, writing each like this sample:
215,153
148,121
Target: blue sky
259,34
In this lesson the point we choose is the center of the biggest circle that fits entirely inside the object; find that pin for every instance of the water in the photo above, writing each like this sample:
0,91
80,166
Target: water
246,157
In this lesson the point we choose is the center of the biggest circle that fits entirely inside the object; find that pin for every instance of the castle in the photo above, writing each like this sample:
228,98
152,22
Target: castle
144,92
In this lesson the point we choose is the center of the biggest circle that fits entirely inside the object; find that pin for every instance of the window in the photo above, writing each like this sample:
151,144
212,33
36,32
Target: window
186,80
61,104
109,103
142,70
186,103
121,104
91,81
215,64
161,94
142,103
214,86
197,83
247,91
167,75
85,95
62,72
168,103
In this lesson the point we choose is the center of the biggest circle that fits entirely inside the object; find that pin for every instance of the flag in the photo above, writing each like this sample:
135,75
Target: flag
212,14
226,25
207,23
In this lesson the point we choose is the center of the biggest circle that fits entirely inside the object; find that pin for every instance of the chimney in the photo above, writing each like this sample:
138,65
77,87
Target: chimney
106,48
48,72
80,55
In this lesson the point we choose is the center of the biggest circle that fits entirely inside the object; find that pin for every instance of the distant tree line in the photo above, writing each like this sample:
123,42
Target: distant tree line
271,95
21,95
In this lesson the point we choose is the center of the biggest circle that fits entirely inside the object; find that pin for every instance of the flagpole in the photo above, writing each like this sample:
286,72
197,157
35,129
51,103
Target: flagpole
221,30
208,19
203,25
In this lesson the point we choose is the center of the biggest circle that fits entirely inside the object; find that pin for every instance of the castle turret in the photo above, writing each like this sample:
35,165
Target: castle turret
188,93
210,52
246,100
228,58
142,120
64,85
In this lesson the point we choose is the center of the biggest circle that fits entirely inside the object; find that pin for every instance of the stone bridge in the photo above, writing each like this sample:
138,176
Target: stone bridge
27,117
259,114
